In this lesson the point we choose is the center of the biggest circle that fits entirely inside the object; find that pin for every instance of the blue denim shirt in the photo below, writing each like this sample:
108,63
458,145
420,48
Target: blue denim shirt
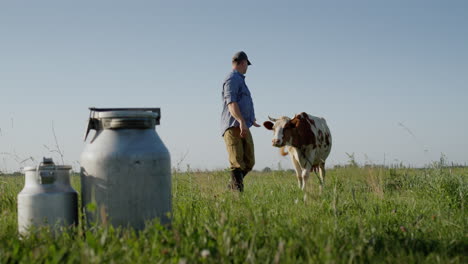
235,90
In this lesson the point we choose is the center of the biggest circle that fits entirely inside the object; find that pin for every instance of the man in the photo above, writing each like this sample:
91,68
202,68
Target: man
236,119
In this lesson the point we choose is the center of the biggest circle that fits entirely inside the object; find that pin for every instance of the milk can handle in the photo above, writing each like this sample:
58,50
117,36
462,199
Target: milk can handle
92,124
44,177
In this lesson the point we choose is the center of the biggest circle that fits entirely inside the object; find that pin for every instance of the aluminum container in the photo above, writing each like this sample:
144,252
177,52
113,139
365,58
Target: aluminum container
47,198
125,169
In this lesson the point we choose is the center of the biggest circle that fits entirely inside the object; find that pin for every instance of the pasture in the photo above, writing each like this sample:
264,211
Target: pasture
365,215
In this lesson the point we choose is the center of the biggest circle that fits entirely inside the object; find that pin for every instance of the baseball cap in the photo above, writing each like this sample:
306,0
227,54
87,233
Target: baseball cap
240,56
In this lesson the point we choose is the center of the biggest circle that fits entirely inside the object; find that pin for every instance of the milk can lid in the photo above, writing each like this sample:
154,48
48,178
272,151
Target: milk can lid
153,113
47,164
125,114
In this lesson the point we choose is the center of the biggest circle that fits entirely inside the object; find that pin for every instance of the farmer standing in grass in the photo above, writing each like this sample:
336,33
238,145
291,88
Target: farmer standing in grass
237,116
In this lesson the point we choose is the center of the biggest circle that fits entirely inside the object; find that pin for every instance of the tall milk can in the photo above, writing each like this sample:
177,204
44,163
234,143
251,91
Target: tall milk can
47,198
125,169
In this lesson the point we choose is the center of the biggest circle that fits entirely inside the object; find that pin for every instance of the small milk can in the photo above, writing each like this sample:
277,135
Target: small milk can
47,198
125,169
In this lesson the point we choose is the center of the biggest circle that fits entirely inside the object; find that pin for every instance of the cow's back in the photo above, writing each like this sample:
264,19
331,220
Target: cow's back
323,138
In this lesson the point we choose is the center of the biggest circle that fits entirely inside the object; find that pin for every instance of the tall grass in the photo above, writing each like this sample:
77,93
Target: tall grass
364,215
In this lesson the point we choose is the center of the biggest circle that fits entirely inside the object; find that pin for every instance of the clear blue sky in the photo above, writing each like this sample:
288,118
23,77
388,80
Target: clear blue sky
365,66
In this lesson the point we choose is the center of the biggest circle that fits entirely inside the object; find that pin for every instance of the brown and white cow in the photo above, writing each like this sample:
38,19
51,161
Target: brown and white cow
309,141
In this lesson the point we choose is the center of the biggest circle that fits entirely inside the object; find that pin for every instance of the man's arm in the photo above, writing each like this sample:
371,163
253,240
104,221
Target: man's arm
235,112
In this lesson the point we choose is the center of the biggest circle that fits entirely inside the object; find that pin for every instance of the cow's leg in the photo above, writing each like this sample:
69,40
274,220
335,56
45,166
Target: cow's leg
305,176
321,176
298,170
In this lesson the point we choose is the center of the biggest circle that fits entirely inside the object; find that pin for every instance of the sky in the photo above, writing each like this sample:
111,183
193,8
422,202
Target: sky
390,77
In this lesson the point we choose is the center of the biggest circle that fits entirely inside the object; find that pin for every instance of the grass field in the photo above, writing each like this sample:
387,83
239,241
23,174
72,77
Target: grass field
365,215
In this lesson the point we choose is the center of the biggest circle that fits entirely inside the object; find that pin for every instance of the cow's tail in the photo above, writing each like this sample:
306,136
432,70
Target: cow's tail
282,152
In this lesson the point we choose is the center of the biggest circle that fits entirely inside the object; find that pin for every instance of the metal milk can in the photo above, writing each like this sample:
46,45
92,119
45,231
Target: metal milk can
47,198
125,169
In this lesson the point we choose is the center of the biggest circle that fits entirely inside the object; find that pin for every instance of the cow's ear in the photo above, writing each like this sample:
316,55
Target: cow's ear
268,125
294,123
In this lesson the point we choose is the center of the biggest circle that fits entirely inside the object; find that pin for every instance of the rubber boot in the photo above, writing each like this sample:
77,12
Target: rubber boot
239,180
236,180
232,184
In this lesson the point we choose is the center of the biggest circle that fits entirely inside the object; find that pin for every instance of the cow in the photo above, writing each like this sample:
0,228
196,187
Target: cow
309,142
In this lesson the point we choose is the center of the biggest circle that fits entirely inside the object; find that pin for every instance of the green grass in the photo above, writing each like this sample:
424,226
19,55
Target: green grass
365,215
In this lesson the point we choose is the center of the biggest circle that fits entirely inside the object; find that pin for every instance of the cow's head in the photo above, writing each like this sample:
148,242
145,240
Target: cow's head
295,132
281,130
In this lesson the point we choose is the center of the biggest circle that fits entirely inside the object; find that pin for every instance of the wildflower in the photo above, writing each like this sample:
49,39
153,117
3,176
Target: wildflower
205,253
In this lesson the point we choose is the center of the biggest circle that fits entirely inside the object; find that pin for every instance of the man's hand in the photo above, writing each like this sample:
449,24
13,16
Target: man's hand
244,129
235,112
